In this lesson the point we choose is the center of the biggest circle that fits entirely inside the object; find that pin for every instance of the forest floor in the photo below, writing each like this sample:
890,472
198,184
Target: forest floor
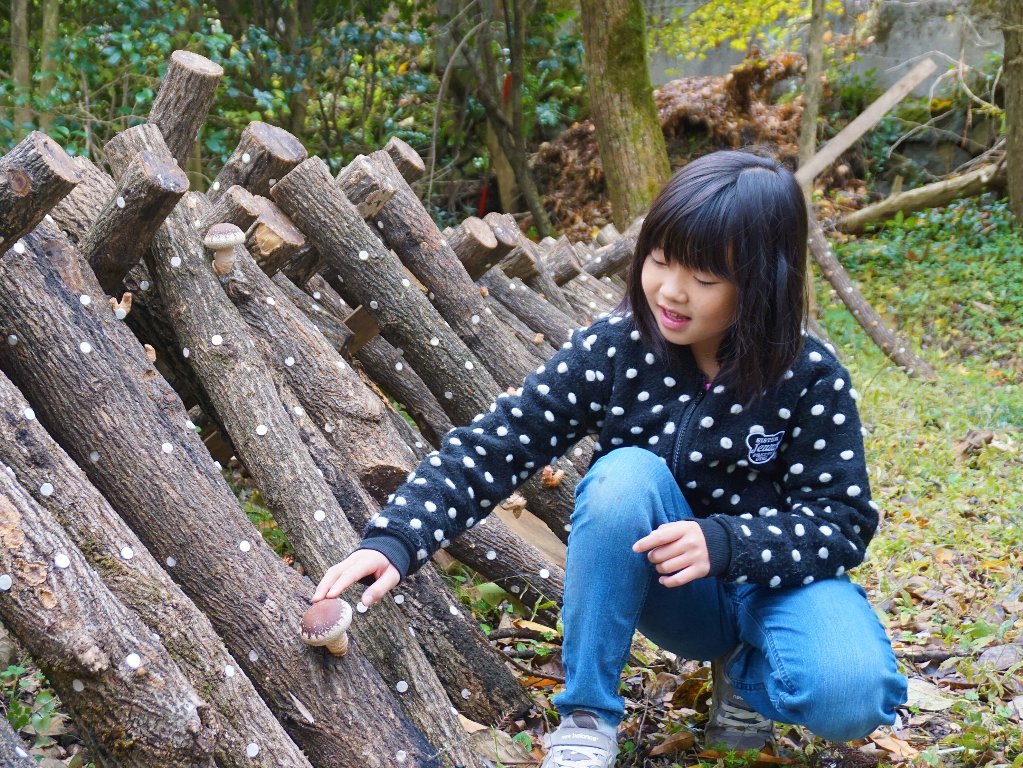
943,573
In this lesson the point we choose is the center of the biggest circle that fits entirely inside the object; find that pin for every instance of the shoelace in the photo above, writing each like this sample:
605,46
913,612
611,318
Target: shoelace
740,717
579,757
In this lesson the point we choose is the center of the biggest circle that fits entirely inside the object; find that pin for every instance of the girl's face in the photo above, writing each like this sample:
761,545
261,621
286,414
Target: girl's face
692,308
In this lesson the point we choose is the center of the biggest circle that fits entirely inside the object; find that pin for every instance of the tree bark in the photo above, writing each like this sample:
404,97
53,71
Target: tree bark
12,752
185,97
529,307
474,676
264,154
370,275
90,399
1012,30
130,701
21,66
632,149
34,177
149,189
237,715
374,279
383,363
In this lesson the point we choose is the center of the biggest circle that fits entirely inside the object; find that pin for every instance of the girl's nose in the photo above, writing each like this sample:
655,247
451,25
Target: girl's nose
673,288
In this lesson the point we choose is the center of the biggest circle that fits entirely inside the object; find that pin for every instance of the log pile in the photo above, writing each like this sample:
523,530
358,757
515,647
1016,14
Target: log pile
119,332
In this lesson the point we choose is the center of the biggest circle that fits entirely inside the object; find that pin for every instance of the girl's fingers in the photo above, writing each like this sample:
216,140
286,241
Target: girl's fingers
674,564
385,583
328,580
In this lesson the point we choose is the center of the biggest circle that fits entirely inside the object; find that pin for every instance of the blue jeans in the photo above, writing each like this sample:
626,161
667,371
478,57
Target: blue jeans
815,656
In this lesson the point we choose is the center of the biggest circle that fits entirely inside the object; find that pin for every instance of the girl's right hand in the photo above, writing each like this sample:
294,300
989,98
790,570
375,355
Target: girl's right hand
357,566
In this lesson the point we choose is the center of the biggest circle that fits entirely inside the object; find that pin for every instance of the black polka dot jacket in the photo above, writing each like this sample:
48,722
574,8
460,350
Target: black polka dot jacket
779,488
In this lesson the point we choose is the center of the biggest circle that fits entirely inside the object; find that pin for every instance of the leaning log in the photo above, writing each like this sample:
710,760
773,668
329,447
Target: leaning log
521,569
474,675
92,385
150,187
529,307
934,195
130,701
384,364
264,154
331,391
34,177
12,752
406,227
237,714
372,277
897,350
185,97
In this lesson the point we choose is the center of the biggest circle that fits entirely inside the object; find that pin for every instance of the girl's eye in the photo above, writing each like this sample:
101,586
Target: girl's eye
706,282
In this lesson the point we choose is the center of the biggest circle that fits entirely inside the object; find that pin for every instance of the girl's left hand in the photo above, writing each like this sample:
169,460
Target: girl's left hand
677,549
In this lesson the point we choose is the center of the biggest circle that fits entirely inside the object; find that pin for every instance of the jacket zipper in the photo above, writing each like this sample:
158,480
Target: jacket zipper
686,419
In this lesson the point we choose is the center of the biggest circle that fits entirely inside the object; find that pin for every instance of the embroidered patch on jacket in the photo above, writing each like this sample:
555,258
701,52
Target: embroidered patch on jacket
763,448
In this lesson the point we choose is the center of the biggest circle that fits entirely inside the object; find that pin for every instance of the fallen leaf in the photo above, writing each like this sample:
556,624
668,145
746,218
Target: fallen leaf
498,747
535,626
973,443
1001,657
471,726
676,742
896,746
927,696
1016,705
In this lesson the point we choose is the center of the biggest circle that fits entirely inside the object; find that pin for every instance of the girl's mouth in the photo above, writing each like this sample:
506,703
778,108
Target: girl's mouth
673,321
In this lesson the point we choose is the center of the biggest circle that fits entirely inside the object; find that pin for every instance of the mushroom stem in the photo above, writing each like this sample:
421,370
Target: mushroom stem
339,647
223,260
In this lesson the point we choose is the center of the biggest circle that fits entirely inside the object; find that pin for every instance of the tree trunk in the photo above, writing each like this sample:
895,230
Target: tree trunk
1012,29
21,67
51,22
632,149
131,702
406,227
373,278
108,407
148,191
812,89
237,715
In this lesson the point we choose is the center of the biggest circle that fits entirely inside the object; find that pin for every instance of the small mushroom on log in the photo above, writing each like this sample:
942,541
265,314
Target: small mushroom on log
222,239
326,624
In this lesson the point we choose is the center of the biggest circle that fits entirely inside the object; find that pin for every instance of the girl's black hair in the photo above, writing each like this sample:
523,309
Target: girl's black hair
741,217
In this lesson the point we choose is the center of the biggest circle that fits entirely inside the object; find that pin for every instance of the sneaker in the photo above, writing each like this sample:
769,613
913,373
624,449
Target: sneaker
579,743
732,722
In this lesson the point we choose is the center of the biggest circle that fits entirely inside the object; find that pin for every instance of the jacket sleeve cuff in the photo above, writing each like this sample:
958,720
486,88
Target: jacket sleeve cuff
719,545
394,549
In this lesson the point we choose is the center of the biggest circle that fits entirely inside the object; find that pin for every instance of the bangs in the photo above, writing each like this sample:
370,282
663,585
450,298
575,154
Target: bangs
698,229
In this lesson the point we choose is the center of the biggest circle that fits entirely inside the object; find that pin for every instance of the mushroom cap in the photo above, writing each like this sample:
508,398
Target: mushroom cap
223,236
326,621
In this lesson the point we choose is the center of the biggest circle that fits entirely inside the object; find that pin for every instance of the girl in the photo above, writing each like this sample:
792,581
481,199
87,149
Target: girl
728,494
